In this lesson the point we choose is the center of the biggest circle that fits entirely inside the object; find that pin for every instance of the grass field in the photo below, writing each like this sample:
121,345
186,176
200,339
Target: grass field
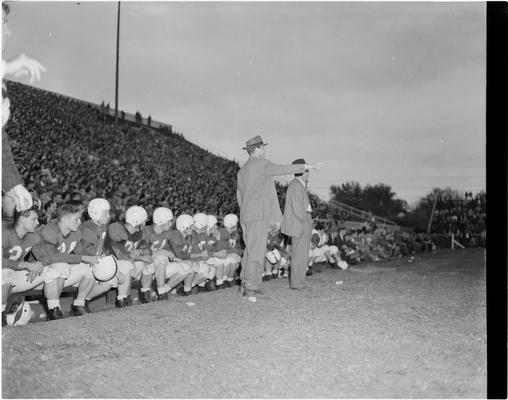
396,329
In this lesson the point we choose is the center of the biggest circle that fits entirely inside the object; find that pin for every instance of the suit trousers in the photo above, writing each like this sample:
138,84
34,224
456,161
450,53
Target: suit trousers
300,246
255,236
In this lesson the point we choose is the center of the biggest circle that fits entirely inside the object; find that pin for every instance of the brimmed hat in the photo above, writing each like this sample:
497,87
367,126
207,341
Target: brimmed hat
254,142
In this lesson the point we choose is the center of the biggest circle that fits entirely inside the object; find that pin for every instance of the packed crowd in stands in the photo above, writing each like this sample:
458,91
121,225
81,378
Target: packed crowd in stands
464,217
65,150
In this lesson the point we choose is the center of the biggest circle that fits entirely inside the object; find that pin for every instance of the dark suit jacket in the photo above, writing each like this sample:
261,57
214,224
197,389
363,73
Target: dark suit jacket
295,210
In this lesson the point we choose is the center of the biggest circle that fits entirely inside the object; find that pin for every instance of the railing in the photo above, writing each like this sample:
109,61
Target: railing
361,214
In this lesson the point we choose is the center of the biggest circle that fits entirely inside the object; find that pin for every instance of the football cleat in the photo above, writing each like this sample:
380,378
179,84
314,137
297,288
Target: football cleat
87,307
164,296
145,297
196,290
226,284
210,286
128,301
121,303
221,286
54,313
4,319
77,311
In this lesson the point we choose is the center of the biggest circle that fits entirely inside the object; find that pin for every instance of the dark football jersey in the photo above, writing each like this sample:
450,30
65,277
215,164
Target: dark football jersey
94,239
230,241
182,246
55,247
14,249
122,241
157,241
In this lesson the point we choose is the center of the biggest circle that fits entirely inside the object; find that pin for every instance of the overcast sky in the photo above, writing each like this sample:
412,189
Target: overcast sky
379,92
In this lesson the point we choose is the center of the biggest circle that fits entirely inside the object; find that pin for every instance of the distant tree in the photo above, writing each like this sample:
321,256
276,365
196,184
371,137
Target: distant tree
350,193
378,199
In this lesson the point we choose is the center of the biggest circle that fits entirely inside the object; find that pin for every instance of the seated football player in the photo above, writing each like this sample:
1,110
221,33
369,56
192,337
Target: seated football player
166,268
181,241
320,251
217,251
61,247
19,273
231,240
207,258
133,262
276,256
94,243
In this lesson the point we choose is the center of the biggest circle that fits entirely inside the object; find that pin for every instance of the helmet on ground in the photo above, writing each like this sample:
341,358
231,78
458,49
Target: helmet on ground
96,208
200,220
136,215
230,220
273,256
104,269
184,222
162,215
212,221
19,313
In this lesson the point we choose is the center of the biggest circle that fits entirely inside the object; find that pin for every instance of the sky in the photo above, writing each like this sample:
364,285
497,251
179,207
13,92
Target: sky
379,92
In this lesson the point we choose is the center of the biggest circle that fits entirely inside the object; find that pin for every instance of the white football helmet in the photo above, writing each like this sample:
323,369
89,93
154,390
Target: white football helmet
162,215
19,314
184,222
96,208
273,256
104,269
212,221
230,221
136,215
200,220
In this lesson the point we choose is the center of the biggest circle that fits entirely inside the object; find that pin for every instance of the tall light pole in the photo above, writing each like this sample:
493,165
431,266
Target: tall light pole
117,58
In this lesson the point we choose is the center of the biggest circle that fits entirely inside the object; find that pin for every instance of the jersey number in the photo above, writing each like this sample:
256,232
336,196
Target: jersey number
129,245
155,245
16,252
62,247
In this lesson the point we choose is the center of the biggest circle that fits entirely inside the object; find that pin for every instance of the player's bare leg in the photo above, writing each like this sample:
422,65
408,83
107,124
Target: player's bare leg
125,270
219,275
6,292
52,291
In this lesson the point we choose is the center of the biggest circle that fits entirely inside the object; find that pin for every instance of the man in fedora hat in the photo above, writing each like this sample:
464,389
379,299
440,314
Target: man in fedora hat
259,207
298,224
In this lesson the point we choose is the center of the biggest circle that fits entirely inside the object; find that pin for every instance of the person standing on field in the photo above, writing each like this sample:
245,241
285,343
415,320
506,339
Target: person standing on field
259,207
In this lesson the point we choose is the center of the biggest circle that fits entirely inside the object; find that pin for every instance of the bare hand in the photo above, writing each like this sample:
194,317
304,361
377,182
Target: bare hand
315,166
34,270
135,254
90,259
23,65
